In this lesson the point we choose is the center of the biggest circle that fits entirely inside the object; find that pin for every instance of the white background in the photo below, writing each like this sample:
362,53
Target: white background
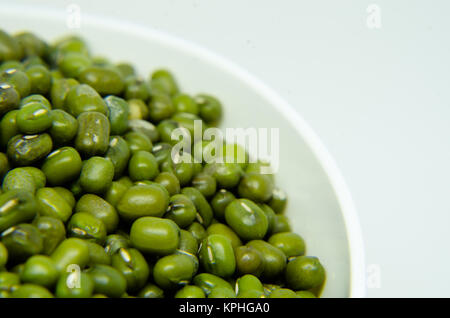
378,98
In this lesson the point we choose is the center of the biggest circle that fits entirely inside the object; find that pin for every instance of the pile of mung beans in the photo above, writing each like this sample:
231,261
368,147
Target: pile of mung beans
93,204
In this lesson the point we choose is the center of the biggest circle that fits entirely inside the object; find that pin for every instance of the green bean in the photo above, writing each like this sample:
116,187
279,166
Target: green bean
99,200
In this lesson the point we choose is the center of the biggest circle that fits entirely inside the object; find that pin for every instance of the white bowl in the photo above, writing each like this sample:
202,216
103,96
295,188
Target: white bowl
320,206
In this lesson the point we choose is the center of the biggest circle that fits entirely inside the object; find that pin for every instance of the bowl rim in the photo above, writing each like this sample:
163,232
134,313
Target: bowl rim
357,286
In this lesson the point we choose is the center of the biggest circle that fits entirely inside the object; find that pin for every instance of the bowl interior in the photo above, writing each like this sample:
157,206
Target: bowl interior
313,207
